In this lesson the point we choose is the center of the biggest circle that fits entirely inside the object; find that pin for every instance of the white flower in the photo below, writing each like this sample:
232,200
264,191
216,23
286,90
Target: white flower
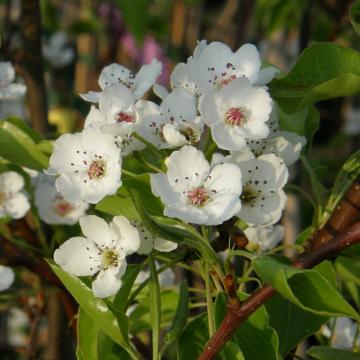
128,144
102,251
13,201
138,84
17,325
284,144
263,238
262,199
344,333
235,113
57,52
8,89
7,277
194,193
148,241
173,123
53,208
215,66
89,165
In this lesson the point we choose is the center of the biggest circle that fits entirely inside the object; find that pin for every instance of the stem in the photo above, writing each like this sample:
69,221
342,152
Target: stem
238,312
356,337
209,303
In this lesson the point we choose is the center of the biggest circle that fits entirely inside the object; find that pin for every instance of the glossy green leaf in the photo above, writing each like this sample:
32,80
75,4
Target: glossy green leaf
308,289
18,147
255,338
87,340
355,16
328,353
94,307
323,71
22,125
349,268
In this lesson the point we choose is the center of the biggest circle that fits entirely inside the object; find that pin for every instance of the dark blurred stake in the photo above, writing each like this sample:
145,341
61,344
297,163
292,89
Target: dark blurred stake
31,64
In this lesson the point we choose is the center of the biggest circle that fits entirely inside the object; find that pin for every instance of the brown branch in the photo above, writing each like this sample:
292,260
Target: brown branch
238,312
31,63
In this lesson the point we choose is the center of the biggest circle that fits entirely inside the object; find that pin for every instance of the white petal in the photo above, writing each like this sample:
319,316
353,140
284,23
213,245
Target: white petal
7,277
108,281
91,96
266,75
188,213
160,91
226,137
113,74
187,168
146,77
128,234
160,187
94,116
173,136
11,181
78,256
222,207
96,229
224,178
164,245
7,73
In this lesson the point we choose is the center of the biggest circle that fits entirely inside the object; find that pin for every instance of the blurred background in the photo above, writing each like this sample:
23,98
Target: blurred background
80,37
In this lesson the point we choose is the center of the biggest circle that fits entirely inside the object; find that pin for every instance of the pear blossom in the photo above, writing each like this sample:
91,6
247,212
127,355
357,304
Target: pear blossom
216,65
8,89
195,193
57,51
138,83
88,165
128,144
263,238
102,252
262,198
52,207
344,333
173,123
148,241
13,200
235,113
7,277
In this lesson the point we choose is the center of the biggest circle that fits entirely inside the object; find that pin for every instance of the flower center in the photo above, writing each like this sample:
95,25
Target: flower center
248,195
63,207
97,169
109,258
190,134
198,196
236,116
124,117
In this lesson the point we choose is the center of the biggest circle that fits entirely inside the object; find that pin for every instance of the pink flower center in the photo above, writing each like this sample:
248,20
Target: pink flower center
198,196
124,117
97,169
228,80
63,208
235,116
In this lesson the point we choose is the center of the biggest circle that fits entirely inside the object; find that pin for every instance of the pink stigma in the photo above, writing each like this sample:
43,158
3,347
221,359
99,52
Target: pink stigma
235,116
63,208
198,196
124,117
96,169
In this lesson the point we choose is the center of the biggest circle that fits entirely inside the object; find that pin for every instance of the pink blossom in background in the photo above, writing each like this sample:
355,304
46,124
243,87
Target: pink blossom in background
144,55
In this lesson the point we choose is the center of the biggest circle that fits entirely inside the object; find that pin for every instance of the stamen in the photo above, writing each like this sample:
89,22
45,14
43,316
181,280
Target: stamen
198,196
97,169
236,116
124,117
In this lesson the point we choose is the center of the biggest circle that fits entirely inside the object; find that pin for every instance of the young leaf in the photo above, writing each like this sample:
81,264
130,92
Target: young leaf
87,331
327,353
95,308
308,289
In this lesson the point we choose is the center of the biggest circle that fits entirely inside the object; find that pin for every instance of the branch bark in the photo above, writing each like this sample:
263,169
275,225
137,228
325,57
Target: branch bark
334,237
31,64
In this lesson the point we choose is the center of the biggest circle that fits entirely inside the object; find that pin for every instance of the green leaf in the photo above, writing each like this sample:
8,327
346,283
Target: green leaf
304,122
94,307
87,337
323,71
128,280
155,307
181,315
18,147
328,353
22,125
308,289
349,268
355,16
256,339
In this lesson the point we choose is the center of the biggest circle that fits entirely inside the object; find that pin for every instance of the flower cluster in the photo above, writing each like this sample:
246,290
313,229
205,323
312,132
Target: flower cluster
218,99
